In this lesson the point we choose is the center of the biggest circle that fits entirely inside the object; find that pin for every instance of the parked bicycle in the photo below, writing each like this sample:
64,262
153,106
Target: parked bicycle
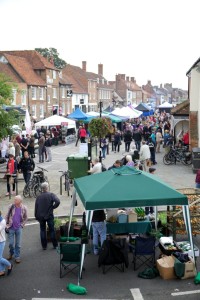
175,154
67,181
33,187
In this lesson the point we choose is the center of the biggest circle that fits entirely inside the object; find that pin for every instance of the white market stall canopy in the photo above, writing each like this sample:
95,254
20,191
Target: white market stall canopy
56,120
128,112
165,104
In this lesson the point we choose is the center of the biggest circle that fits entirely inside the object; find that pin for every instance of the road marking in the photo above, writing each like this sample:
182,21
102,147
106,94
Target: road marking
66,299
136,294
186,293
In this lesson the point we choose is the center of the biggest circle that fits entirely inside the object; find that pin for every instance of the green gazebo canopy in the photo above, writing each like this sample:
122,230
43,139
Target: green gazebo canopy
125,187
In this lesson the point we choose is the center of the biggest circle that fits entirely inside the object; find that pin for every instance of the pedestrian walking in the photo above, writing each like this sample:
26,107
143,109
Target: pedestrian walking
26,166
145,155
117,141
104,143
4,263
45,203
11,171
127,140
47,144
16,218
41,149
98,229
82,134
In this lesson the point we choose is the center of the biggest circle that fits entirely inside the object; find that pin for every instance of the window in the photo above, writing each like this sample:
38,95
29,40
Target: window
54,93
33,92
33,110
41,110
49,99
23,97
54,74
14,92
41,91
63,92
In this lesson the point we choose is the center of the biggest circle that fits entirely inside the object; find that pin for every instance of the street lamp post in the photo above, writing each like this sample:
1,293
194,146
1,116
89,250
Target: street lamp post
100,149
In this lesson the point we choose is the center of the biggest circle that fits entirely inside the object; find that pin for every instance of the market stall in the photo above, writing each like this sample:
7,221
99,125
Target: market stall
124,187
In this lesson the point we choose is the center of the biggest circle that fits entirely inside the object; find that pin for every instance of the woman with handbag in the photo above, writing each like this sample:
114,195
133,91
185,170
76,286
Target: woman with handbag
3,262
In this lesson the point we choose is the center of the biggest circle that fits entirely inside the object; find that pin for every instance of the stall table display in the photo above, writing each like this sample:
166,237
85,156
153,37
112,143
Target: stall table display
175,220
135,227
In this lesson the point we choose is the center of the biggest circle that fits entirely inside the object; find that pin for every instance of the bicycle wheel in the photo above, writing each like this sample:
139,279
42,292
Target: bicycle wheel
37,190
167,160
26,191
67,186
187,160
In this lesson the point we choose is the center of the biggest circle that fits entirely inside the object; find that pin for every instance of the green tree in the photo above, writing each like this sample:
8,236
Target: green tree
53,56
6,95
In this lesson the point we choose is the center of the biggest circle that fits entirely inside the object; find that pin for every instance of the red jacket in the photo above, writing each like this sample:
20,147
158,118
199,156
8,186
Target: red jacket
186,138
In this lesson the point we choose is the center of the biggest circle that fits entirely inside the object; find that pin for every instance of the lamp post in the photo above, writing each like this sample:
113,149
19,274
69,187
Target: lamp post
100,150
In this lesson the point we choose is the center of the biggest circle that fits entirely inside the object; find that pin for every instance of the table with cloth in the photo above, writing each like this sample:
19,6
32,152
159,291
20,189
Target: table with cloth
135,227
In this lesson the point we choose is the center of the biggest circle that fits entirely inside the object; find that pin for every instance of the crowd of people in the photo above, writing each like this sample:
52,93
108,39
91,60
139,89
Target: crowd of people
144,136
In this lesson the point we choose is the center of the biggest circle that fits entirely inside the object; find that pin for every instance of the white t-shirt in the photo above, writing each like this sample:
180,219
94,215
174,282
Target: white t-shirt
96,169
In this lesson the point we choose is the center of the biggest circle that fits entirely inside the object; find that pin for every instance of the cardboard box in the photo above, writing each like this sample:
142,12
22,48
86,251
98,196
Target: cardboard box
190,269
132,217
165,266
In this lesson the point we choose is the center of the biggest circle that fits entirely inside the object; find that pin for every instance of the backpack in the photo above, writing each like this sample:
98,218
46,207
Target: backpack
103,168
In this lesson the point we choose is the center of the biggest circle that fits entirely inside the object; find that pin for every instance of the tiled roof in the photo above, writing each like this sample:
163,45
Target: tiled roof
8,70
76,87
181,109
37,61
24,69
78,75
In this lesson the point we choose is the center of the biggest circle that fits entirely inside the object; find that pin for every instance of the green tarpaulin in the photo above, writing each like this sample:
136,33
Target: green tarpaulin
125,187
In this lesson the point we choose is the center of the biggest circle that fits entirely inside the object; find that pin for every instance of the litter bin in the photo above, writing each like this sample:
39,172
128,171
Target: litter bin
195,159
78,165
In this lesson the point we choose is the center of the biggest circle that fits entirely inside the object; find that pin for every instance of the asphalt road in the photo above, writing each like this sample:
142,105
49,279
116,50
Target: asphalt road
37,277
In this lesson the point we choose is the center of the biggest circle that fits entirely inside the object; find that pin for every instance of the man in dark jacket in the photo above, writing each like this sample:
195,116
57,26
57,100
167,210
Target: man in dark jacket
44,205
26,165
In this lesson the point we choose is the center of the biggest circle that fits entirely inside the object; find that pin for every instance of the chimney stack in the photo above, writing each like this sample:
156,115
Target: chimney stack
100,69
84,63
149,82
127,78
133,79
161,85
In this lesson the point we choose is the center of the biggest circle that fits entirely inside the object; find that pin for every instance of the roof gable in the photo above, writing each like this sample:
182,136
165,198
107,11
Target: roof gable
181,109
24,69
37,61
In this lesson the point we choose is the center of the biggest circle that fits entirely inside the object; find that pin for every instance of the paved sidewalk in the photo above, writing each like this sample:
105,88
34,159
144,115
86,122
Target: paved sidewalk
178,176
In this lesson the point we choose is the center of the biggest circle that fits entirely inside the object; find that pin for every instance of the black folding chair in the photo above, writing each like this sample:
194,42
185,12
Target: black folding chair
70,258
114,253
143,251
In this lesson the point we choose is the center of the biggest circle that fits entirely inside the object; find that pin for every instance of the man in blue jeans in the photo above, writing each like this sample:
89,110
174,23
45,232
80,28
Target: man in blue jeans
98,229
15,220
45,203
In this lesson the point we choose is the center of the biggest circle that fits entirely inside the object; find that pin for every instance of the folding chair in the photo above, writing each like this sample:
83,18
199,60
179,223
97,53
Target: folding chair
143,252
114,253
70,258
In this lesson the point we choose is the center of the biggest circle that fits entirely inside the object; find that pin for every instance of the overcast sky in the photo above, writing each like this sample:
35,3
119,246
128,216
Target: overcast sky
155,40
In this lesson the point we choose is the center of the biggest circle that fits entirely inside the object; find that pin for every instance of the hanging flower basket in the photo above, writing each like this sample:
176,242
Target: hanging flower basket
100,127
